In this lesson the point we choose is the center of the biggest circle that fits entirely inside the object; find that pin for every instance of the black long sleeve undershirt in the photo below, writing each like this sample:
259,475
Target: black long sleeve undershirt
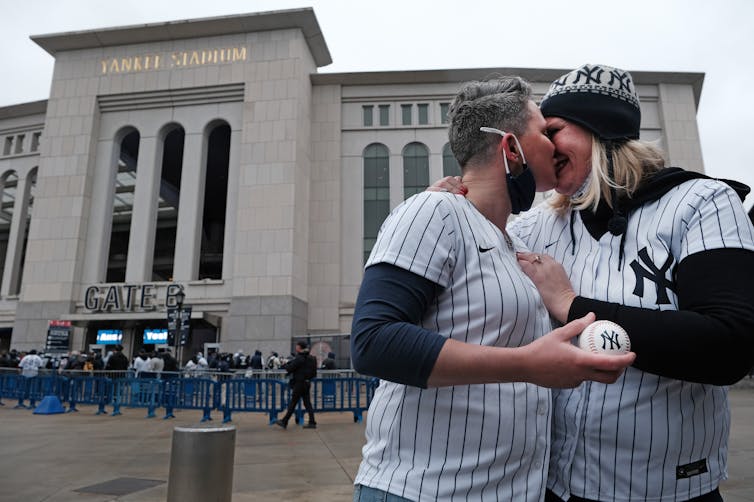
386,339
710,338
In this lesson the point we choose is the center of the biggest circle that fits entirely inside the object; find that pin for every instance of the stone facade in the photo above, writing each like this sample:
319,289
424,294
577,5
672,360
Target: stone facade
293,244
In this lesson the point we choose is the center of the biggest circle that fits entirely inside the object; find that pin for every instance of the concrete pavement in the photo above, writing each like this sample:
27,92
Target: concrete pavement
85,457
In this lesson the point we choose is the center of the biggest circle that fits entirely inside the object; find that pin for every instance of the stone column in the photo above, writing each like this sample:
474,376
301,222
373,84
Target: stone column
12,268
190,208
144,218
101,208
232,204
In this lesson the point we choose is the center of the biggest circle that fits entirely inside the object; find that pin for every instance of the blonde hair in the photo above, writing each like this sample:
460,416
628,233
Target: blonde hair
633,161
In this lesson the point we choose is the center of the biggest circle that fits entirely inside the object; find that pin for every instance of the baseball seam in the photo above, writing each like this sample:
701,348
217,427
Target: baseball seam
591,330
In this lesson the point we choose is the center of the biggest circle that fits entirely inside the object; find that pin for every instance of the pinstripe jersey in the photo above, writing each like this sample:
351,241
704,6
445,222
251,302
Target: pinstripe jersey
625,441
470,442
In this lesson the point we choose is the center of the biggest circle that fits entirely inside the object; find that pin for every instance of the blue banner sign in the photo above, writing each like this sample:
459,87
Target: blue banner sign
109,336
156,336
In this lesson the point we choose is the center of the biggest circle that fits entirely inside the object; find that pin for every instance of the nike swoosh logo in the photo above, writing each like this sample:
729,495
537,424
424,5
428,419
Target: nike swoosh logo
484,250
550,244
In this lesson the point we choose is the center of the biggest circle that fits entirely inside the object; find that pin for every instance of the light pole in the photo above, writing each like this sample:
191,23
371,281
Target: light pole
180,296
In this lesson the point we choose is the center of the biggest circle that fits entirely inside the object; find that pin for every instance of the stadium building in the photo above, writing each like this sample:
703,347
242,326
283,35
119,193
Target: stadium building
211,158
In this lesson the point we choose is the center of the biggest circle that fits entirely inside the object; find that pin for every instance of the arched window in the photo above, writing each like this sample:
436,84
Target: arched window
450,165
167,209
415,169
376,192
215,202
123,205
32,185
8,193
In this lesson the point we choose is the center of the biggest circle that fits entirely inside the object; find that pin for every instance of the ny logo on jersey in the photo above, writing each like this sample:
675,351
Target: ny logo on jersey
610,337
654,274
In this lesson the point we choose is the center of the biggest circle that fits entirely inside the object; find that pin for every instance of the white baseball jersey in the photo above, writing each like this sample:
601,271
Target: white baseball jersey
645,437
30,365
470,442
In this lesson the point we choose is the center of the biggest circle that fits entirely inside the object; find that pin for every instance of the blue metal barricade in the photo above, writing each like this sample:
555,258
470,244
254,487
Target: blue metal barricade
90,390
46,385
34,388
261,395
190,394
254,394
137,393
12,386
33,391
328,394
339,395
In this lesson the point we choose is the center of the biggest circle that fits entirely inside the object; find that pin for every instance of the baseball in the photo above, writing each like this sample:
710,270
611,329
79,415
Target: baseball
605,337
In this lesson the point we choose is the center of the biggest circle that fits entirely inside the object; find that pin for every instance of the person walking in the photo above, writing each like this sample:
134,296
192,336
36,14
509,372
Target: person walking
302,369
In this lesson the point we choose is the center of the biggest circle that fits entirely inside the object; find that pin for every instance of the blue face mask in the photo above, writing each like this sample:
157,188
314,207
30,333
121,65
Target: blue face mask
521,188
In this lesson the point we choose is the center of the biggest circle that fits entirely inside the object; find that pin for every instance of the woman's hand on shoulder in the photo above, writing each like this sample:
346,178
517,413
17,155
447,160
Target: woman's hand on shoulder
452,184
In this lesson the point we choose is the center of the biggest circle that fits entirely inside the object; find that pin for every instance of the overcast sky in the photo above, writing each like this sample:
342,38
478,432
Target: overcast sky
716,38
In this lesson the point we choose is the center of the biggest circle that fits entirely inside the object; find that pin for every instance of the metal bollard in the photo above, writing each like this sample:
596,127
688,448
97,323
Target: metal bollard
201,464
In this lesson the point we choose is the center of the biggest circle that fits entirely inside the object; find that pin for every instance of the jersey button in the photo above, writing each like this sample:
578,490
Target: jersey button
541,409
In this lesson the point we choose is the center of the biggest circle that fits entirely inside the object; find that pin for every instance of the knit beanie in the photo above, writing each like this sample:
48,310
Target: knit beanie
598,97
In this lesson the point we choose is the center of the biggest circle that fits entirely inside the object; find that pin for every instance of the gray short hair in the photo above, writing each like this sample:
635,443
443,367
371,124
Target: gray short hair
500,102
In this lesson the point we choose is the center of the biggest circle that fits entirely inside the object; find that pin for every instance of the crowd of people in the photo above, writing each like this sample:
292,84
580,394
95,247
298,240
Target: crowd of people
147,362
89,361
73,360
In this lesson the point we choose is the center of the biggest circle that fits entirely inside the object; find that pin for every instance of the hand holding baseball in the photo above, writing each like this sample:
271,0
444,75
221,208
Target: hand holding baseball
554,361
605,337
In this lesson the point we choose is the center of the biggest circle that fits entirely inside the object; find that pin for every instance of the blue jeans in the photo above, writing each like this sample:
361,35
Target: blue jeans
363,493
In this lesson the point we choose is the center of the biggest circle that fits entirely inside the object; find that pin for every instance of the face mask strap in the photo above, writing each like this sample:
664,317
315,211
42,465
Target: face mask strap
505,157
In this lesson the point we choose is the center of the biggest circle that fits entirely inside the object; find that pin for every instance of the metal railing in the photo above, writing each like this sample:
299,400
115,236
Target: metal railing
264,392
